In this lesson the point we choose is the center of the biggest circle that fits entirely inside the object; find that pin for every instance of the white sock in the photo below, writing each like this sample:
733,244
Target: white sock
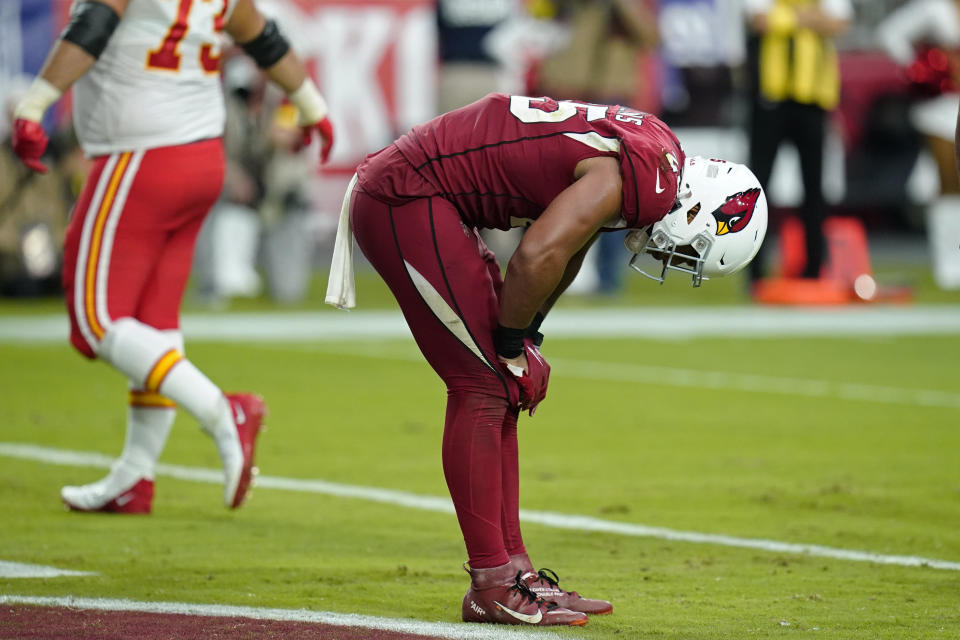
150,417
147,357
943,234
148,426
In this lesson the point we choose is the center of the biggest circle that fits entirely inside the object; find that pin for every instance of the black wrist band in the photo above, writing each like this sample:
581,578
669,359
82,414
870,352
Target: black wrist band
508,341
533,331
535,324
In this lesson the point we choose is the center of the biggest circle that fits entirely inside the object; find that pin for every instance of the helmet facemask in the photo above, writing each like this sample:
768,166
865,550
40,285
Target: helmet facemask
688,258
657,241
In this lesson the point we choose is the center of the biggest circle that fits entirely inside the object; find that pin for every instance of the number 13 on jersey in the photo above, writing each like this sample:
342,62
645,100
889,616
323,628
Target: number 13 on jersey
166,57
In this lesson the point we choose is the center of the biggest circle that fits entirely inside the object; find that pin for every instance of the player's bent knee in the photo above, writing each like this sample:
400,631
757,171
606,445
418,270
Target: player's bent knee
491,390
138,350
81,340
108,345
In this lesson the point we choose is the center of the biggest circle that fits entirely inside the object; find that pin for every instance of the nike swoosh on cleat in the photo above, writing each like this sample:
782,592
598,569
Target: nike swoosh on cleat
241,417
124,499
522,617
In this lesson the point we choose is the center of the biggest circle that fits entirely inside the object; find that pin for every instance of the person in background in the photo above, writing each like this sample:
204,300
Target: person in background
285,211
933,28
264,208
795,84
225,264
148,107
33,216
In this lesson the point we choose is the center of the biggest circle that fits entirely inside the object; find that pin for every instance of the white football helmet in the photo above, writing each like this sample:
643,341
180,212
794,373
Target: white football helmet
714,229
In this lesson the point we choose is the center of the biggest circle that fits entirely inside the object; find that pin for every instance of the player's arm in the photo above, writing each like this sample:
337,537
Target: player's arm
262,40
86,35
553,246
569,274
898,31
549,255
638,21
822,22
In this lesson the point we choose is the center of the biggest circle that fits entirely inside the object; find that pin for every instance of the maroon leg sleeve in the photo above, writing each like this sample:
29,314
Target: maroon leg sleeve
440,276
471,466
510,482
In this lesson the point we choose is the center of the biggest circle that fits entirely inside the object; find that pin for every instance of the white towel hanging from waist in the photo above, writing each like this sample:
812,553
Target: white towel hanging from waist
341,290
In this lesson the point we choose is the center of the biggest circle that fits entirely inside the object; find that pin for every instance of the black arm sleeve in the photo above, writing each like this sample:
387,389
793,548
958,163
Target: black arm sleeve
268,47
90,27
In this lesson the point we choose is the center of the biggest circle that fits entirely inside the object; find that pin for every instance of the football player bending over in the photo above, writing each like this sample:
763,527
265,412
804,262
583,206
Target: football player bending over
567,171
148,108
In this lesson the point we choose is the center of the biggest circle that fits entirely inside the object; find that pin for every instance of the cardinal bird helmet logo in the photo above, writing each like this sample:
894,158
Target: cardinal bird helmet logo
734,214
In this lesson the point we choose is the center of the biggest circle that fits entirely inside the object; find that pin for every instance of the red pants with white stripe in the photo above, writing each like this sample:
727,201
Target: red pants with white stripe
447,283
129,245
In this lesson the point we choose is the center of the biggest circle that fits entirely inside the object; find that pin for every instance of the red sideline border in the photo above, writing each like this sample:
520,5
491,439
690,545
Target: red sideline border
53,623
55,618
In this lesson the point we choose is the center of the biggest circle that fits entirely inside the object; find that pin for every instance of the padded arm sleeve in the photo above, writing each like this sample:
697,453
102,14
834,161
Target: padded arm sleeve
268,47
90,27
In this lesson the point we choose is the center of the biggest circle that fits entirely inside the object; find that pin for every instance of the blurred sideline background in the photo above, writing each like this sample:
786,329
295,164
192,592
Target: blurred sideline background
386,65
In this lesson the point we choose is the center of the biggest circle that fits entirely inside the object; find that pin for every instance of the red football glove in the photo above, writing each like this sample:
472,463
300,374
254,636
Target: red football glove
325,129
533,382
29,143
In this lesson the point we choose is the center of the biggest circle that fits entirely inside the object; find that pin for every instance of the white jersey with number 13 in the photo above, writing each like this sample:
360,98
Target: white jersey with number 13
157,83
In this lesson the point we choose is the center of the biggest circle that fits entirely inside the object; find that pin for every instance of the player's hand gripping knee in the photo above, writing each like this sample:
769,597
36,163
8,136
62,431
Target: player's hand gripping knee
538,373
532,373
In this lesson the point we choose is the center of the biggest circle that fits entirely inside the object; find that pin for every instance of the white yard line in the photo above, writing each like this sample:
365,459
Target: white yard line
443,505
663,323
23,570
754,383
676,377
352,334
418,627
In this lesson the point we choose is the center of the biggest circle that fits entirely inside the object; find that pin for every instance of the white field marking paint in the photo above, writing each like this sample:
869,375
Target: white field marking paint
23,570
665,323
417,627
720,380
675,377
443,505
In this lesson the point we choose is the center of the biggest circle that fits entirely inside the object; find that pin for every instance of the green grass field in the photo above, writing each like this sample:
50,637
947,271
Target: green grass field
868,475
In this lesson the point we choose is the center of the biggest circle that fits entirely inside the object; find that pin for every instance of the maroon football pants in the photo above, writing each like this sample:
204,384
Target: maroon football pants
447,284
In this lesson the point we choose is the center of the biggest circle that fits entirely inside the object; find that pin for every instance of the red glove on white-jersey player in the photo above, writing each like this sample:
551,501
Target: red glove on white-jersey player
29,138
313,116
29,143
325,129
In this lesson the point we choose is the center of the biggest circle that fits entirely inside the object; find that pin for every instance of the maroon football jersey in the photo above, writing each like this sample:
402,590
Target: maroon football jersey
503,159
